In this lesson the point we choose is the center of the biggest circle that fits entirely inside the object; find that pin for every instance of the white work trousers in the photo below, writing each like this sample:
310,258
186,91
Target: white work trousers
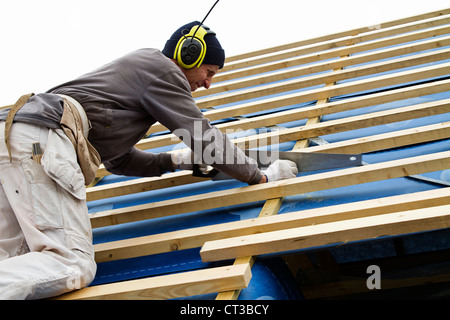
45,233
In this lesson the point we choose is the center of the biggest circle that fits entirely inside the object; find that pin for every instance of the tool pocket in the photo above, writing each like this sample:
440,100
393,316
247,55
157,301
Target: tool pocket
60,163
44,202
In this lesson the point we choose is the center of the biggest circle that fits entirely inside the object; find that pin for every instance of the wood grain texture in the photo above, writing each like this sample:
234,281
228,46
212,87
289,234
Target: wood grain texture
168,286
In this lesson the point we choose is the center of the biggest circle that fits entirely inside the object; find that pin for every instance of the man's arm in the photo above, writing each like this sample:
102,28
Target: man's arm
168,100
139,163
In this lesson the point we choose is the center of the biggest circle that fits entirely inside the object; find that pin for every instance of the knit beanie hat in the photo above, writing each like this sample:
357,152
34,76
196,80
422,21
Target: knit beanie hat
214,53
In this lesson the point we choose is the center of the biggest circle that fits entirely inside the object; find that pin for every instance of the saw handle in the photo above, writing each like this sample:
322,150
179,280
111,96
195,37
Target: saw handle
196,172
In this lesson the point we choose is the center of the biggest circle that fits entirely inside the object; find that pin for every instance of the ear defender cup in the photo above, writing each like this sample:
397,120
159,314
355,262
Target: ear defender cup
191,48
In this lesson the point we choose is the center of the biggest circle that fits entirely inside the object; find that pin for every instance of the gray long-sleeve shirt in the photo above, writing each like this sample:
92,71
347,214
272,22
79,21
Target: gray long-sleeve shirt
123,99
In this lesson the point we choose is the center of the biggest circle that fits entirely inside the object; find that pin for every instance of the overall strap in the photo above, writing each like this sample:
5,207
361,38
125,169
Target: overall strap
10,117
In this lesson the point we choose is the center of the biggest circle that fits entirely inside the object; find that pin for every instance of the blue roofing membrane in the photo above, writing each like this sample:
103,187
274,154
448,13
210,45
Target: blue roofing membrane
269,278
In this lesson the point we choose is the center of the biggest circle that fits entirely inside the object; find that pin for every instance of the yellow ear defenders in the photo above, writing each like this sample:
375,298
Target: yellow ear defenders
191,48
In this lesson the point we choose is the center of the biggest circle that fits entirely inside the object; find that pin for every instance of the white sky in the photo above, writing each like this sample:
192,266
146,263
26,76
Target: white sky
47,42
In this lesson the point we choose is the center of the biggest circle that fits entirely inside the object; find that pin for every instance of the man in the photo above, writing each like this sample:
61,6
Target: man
45,234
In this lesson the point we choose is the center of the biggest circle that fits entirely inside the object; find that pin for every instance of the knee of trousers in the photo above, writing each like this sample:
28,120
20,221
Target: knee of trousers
84,268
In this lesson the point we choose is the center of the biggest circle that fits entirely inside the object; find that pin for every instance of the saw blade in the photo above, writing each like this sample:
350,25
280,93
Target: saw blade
306,161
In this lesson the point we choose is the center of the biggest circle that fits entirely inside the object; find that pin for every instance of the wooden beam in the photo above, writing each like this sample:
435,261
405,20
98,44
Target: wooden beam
315,182
330,54
309,69
359,145
370,36
327,92
388,140
168,286
171,139
345,124
329,233
322,78
341,34
196,237
141,185
379,142
338,106
234,294
328,108
173,179
263,212
270,208
336,63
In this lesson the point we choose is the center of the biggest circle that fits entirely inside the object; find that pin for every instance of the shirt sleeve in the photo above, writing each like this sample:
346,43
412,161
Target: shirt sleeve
168,99
140,164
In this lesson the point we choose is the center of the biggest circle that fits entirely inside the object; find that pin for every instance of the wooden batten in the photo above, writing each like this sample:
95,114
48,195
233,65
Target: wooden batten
330,233
168,286
321,181
311,95
347,61
332,36
196,237
304,82
329,54
361,145
328,108
346,41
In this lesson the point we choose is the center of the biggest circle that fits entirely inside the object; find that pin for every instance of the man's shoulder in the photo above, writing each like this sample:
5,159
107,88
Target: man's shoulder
152,60
148,54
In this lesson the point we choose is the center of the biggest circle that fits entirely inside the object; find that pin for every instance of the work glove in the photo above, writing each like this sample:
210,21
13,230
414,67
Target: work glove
281,169
184,160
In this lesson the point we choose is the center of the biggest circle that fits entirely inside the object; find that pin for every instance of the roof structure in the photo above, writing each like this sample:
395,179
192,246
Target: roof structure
381,91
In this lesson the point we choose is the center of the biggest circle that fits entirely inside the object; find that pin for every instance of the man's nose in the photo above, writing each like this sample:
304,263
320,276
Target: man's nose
207,83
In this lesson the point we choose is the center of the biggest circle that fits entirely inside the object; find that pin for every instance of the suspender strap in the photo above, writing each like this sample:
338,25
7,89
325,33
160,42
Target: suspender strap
10,117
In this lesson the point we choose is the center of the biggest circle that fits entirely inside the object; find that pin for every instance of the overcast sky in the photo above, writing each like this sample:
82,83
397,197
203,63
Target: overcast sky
47,42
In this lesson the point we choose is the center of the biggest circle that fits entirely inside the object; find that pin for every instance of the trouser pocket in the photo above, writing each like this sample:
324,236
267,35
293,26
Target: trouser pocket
44,194
60,163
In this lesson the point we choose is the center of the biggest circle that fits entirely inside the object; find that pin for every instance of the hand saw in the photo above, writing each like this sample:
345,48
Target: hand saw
305,161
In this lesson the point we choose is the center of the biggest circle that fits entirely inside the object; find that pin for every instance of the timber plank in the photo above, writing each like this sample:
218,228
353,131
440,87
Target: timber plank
196,237
306,96
328,108
341,34
276,189
168,286
388,140
338,106
171,139
141,185
329,54
345,124
313,80
272,206
352,40
329,233
327,92
347,61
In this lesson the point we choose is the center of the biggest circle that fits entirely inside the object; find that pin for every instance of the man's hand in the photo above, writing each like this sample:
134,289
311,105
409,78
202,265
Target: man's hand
280,169
184,160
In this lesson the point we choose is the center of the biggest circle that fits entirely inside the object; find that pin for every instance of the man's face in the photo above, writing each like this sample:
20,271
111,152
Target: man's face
202,76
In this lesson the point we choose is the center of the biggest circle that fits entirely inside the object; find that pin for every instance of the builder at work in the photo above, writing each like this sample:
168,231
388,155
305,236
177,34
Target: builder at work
45,233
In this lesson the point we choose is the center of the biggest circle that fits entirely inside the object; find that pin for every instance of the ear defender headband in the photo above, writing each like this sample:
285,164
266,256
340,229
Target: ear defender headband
191,48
